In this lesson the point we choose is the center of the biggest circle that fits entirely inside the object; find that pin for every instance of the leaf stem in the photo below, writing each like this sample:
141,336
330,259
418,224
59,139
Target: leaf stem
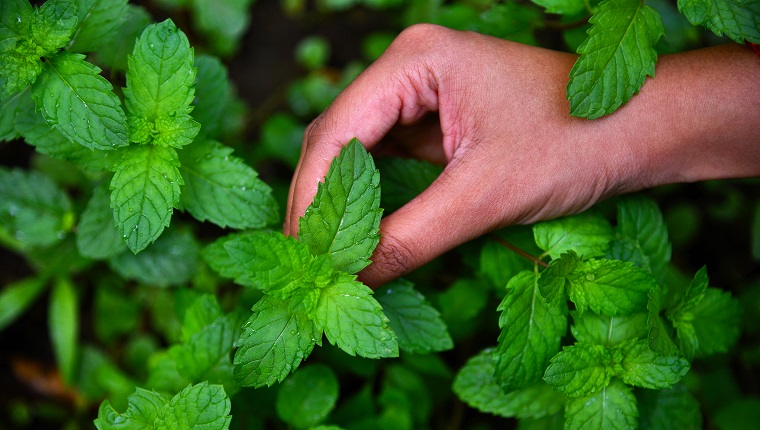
510,246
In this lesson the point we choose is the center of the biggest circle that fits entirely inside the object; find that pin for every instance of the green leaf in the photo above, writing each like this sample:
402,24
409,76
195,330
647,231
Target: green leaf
142,411
216,256
737,19
201,407
404,179
417,325
79,103
213,94
273,343
160,87
97,237
172,260
53,24
354,321
710,326
613,407
596,329
113,55
669,409
206,355
530,333
49,141
562,7
640,220
306,398
19,67
271,261
63,324
615,58
610,287
476,386
581,369
344,217
586,234
99,20
221,188
16,297
223,22
15,18
643,367
499,264
659,330
32,208
145,189
8,110
551,282
203,311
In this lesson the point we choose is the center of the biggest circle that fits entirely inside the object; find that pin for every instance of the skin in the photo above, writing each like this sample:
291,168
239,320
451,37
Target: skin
495,114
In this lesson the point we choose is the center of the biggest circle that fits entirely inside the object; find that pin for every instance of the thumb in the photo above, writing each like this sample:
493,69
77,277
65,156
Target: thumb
453,210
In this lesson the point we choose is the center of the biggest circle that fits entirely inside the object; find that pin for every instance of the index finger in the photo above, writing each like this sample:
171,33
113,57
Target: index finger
395,89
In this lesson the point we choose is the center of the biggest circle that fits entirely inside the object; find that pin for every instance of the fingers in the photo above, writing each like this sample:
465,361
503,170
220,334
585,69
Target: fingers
398,88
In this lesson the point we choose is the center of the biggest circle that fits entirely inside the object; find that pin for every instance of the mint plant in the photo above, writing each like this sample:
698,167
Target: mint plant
146,281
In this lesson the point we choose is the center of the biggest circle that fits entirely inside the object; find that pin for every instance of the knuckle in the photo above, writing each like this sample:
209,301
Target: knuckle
393,256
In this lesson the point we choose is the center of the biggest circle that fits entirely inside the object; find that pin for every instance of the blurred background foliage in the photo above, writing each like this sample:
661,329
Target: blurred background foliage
287,60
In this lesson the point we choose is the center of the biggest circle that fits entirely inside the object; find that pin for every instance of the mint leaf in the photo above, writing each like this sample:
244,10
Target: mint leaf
640,221
344,217
586,234
403,179
203,311
160,87
273,343
669,409
98,21
609,287
113,55
221,188
499,264
49,141
581,369
79,102
306,398
596,329
615,58
223,22
475,385
16,297
552,281
97,237
206,355
659,330
271,261
145,189
643,367
213,94
353,320
53,24
612,407
737,19
530,333
8,110
142,411
202,407
172,260
710,326
19,67
562,7
415,322
216,256
63,324
15,18
33,209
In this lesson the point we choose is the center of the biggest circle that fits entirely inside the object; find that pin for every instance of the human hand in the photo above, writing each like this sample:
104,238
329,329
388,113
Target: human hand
513,154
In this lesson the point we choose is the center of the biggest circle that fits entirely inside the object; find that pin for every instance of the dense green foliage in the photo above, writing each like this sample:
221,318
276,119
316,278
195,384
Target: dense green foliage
144,249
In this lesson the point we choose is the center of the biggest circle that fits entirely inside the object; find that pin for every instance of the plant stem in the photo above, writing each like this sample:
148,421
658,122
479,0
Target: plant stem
518,251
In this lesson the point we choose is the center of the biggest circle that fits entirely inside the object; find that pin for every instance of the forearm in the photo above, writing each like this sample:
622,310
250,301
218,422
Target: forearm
698,119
